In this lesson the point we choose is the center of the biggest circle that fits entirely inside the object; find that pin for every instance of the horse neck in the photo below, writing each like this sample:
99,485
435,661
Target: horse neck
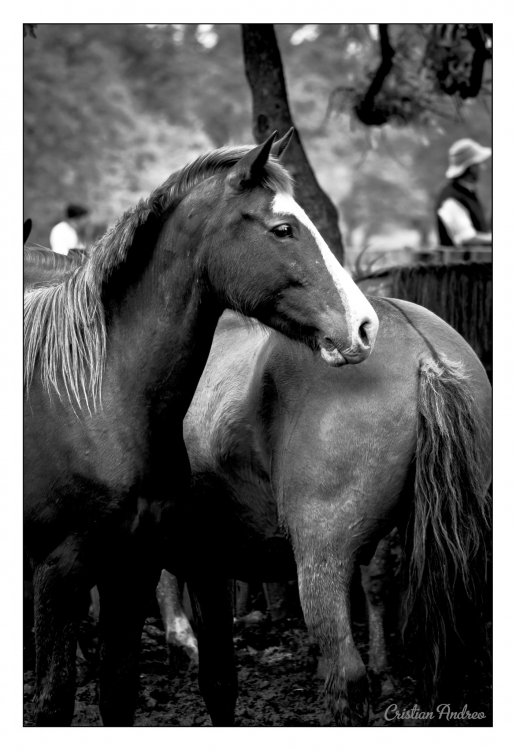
161,332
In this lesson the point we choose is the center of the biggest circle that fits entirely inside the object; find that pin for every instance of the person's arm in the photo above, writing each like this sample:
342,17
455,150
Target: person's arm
458,223
480,238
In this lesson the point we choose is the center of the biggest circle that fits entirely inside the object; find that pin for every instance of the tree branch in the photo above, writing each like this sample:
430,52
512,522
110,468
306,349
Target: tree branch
475,35
366,110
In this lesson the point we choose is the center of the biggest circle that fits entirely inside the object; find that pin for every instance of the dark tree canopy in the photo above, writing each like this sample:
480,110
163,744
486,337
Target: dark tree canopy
423,69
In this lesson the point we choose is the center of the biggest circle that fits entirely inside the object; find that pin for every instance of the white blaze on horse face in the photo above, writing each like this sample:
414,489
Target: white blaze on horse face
354,302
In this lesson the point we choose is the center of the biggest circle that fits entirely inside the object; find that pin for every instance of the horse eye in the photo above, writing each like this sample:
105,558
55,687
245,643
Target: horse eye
283,230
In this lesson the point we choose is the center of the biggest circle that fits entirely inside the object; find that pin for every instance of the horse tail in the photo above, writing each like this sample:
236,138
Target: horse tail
449,531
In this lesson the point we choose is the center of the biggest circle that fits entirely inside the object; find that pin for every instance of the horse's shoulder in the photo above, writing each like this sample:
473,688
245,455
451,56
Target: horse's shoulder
217,420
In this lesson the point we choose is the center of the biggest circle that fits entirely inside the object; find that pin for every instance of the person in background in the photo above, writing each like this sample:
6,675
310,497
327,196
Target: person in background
460,216
65,236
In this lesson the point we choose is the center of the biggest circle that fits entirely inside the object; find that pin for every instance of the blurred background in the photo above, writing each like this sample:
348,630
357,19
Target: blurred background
110,111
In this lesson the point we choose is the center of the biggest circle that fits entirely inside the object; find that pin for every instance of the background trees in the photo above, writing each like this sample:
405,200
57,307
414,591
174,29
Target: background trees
110,111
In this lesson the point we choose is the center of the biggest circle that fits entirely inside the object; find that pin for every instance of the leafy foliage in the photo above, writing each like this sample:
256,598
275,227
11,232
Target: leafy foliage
455,55
433,69
111,110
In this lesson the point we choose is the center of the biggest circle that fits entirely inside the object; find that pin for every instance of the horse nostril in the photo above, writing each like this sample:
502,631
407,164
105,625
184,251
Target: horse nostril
364,336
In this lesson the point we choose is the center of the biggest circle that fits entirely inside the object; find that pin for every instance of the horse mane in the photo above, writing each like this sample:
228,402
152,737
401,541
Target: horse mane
65,322
40,257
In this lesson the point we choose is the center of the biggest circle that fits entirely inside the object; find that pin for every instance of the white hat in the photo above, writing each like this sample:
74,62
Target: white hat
463,154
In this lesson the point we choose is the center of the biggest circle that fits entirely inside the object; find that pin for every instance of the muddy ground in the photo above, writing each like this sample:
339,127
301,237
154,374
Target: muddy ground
280,682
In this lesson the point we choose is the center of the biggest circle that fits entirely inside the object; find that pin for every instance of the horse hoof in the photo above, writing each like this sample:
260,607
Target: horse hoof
387,686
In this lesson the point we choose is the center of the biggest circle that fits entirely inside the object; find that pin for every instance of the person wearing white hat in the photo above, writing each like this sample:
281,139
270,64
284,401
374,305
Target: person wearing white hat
460,216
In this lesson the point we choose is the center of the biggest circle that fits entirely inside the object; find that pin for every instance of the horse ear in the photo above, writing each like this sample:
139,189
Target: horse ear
27,226
280,146
248,170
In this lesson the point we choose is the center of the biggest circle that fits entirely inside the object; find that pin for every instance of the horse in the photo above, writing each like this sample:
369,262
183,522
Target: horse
300,470
113,354
42,266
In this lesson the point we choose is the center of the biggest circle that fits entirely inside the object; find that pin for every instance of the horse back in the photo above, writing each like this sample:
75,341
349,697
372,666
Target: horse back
444,340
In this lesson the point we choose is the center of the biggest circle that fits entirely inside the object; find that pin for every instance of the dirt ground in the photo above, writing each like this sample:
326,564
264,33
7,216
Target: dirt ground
280,682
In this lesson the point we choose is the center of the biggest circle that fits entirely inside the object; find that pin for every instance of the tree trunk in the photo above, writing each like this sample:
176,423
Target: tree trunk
271,111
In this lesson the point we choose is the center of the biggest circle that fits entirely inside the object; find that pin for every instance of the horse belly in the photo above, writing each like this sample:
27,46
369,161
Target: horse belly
259,545
233,522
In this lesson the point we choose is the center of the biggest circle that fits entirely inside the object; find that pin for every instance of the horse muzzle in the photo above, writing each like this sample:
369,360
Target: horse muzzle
361,347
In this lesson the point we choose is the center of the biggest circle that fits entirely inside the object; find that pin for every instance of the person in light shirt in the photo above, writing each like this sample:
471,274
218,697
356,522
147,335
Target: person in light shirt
460,217
65,236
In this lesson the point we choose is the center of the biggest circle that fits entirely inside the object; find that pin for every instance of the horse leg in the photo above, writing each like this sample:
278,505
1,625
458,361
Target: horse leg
375,586
95,604
325,571
58,599
88,627
126,590
242,598
276,597
212,605
178,631
28,614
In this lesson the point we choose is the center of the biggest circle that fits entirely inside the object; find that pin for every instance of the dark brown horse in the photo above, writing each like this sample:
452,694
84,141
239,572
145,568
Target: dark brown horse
290,456
113,354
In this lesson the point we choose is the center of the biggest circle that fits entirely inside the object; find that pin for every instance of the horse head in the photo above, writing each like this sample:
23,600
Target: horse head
263,256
